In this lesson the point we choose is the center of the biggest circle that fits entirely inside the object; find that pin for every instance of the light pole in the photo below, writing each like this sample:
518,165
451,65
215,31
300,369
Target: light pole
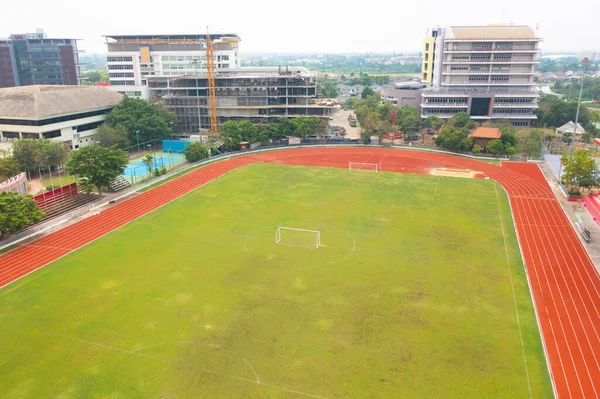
584,62
137,138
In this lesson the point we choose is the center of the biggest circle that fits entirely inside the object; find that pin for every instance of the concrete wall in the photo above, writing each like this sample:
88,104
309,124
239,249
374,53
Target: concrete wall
402,97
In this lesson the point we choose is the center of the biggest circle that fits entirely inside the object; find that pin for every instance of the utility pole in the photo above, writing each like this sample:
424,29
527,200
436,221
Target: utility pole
585,63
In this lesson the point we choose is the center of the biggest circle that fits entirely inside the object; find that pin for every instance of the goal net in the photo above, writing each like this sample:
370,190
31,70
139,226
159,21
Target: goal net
298,237
371,167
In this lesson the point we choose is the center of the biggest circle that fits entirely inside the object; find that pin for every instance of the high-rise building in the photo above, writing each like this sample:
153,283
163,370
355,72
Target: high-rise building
34,59
258,95
486,71
134,58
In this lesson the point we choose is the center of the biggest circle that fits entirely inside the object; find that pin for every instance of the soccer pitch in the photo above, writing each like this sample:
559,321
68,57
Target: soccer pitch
412,292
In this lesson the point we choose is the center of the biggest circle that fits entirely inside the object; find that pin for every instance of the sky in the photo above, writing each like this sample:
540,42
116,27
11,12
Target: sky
348,26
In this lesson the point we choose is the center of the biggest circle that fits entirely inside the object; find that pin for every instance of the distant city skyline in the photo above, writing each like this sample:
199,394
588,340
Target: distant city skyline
307,27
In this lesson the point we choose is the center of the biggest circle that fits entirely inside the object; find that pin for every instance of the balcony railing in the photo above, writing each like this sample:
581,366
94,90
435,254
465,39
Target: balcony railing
521,50
443,105
463,90
486,73
513,116
515,105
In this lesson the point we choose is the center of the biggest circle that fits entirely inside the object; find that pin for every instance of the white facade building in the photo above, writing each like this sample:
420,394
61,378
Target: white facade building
132,58
486,71
69,114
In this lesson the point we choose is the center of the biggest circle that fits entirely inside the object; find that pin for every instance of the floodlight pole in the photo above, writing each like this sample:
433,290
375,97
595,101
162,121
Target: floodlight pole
585,64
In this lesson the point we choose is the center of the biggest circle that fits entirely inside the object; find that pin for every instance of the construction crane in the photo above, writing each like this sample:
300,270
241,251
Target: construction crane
212,97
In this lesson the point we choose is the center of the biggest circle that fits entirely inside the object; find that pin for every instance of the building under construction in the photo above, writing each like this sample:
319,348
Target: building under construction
132,59
258,95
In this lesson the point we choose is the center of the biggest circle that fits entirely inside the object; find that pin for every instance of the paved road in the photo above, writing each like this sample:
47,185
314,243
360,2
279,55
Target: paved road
340,118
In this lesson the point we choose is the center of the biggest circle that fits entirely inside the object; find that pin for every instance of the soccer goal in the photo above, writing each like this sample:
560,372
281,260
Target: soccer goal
371,167
298,237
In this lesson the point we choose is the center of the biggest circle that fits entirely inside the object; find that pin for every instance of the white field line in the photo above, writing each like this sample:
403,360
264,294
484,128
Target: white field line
512,287
208,371
436,188
202,343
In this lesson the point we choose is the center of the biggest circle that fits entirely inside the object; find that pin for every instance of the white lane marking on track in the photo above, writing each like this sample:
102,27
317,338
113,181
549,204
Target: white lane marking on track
512,287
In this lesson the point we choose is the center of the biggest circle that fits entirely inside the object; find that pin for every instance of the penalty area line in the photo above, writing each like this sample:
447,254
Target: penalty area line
208,371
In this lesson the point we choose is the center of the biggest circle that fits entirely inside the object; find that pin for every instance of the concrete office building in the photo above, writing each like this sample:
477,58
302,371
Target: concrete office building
258,95
132,59
486,71
68,114
34,59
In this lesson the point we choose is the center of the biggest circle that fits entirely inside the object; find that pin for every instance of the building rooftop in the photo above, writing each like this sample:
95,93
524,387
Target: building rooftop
569,127
43,102
174,37
486,133
492,32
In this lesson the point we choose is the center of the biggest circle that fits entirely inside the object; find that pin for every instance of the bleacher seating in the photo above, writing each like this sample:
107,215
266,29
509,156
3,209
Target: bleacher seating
119,184
62,200
593,206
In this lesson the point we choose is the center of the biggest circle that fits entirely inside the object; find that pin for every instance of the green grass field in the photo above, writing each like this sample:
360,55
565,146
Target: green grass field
409,296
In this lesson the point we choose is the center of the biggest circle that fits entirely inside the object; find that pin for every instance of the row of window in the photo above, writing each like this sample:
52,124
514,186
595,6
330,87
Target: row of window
122,83
183,57
121,75
119,67
513,100
446,100
444,111
52,134
119,59
42,63
525,111
88,126
50,49
484,58
35,56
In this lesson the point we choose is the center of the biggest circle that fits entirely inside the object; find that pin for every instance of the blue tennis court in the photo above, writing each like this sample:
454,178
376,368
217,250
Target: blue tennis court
138,170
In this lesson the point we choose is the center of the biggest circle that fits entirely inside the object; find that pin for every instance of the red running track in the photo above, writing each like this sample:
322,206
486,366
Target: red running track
564,283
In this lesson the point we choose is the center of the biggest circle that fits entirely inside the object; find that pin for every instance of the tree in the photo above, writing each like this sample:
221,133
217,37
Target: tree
495,147
508,136
196,151
152,120
149,162
367,92
107,136
97,165
8,168
233,133
532,143
328,88
95,76
17,211
561,112
460,119
33,155
432,122
580,170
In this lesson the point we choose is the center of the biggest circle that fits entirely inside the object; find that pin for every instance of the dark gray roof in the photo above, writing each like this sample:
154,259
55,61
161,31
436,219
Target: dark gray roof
43,102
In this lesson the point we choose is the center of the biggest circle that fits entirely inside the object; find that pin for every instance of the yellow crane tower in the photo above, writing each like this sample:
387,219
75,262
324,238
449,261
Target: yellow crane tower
212,98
